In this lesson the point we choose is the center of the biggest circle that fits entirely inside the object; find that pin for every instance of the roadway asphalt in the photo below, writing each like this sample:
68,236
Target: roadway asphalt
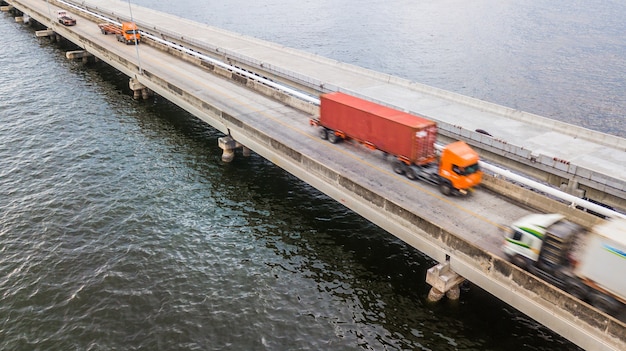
582,149
476,218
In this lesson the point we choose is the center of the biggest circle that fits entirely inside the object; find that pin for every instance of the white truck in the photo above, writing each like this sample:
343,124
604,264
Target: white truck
589,264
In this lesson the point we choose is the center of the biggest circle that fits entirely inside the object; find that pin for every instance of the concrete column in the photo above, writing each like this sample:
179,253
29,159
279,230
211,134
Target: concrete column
229,145
246,152
44,33
444,281
454,293
136,87
435,295
146,93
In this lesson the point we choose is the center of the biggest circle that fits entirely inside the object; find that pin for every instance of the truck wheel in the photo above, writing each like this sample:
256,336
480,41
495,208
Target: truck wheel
322,133
410,173
332,137
604,303
445,188
577,289
398,167
520,262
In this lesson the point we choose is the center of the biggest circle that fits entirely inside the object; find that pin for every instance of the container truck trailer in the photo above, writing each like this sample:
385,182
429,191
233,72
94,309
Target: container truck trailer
409,138
588,264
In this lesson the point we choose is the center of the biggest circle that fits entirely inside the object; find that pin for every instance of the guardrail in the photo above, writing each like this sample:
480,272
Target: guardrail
562,166
496,275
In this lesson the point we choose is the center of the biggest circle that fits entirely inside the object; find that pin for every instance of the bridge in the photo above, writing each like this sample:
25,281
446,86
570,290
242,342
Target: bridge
228,81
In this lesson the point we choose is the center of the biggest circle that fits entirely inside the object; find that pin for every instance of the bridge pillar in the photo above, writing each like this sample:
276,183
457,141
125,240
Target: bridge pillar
139,90
24,18
245,151
146,93
44,33
78,54
444,281
229,145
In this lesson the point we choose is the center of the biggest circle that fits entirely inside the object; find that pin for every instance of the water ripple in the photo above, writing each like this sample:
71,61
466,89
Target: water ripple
120,229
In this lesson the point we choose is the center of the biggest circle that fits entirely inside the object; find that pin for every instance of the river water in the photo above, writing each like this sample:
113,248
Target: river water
121,229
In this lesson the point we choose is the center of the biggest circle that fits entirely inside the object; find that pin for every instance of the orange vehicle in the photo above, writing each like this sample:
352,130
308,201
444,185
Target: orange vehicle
126,33
409,138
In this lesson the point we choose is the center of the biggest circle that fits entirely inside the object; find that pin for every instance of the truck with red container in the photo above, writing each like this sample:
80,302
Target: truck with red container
409,138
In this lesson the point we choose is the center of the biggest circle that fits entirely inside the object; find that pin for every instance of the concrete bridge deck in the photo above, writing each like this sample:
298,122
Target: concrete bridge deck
464,232
581,161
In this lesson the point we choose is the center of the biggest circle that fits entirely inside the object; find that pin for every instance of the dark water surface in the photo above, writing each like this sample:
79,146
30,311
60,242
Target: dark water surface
121,229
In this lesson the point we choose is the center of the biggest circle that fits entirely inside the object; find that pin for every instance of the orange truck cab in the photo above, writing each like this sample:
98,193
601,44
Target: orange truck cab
130,32
409,138
458,167
126,33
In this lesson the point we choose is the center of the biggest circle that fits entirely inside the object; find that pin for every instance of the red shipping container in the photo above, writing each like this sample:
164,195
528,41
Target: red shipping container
390,130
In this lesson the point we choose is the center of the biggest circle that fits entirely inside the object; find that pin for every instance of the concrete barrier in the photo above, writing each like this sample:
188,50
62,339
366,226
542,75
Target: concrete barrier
516,287
531,198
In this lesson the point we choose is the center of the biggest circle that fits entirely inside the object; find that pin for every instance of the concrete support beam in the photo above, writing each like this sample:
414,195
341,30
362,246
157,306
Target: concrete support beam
24,18
572,188
6,8
139,90
444,281
44,33
229,145
245,151
77,54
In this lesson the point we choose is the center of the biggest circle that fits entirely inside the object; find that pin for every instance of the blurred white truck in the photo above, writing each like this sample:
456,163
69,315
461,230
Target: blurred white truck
589,264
